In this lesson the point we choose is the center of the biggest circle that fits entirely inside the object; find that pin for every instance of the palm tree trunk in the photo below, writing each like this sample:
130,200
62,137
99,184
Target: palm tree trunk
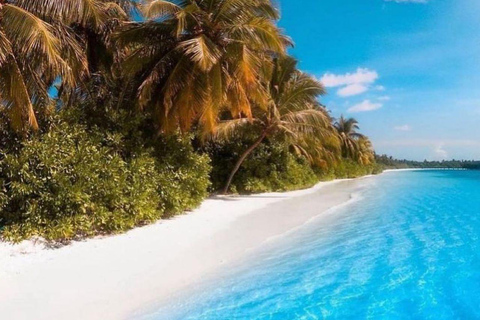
242,159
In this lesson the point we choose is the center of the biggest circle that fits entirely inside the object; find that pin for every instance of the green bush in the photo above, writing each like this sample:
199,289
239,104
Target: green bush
271,167
70,182
346,169
184,175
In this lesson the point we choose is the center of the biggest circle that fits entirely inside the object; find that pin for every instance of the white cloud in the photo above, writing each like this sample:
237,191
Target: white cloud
380,88
384,98
405,127
365,106
351,83
352,90
440,152
362,75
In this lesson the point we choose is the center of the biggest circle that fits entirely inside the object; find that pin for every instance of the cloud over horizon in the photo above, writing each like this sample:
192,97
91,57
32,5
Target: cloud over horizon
350,84
439,152
365,106
404,127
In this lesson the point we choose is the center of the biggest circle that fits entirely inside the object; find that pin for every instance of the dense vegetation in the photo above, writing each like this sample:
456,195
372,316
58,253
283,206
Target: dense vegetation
107,123
389,162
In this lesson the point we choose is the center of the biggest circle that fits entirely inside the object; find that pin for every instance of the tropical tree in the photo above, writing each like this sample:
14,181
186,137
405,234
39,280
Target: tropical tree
31,58
293,116
40,45
196,58
348,132
366,155
91,23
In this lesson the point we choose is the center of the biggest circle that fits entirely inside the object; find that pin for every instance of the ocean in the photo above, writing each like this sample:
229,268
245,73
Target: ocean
406,247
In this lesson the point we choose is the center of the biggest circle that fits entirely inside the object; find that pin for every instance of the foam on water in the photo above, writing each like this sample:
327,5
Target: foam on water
407,248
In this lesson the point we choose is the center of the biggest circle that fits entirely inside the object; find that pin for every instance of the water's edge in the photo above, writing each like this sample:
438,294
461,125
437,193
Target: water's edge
351,189
407,247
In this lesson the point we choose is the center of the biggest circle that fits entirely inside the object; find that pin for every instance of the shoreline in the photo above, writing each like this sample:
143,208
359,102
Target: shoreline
250,255
117,276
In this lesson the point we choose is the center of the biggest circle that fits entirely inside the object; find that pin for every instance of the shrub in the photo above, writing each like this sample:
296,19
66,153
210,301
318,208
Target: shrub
347,168
184,175
71,183
271,167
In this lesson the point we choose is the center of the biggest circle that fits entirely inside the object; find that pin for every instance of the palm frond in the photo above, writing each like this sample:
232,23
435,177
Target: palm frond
16,95
301,90
30,34
83,12
230,129
5,48
215,100
156,9
260,33
201,50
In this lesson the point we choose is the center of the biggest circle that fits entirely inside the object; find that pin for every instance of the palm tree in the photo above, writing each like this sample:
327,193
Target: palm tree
366,155
293,116
39,46
196,58
30,60
347,131
91,24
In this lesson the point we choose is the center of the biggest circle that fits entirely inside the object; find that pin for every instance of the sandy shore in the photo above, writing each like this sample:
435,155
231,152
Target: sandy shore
114,277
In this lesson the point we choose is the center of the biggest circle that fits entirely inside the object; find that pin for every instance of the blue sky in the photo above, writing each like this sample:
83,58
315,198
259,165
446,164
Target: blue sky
408,70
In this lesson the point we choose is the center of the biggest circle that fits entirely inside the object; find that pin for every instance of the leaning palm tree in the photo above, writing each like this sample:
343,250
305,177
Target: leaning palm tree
196,58
293,116
347,131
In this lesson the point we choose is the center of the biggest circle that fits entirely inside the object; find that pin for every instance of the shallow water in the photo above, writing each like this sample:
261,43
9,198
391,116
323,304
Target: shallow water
408,249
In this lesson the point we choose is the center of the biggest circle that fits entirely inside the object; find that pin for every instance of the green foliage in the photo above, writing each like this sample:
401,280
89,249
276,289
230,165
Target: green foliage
184,174
271,167
9,140
184,177
347,168
71,182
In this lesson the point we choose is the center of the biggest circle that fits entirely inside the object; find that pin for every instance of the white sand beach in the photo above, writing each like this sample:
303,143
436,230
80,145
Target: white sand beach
114,277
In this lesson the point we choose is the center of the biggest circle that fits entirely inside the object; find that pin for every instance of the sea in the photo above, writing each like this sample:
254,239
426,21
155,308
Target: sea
407,246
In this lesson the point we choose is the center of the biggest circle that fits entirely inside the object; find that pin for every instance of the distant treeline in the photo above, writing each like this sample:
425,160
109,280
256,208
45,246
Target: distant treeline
390,163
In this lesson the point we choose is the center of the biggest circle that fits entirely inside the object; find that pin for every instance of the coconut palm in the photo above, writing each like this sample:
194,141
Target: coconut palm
366,155
348,132
91,23
94,28
30,60
293,116
323,152
39,46
196,58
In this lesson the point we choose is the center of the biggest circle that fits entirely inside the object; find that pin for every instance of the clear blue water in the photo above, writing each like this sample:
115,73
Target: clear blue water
409,249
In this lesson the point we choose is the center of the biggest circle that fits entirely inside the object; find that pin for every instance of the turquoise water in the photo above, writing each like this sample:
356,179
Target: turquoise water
408,249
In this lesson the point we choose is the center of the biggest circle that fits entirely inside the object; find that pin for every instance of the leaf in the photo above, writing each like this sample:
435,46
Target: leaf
160,9
201,50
